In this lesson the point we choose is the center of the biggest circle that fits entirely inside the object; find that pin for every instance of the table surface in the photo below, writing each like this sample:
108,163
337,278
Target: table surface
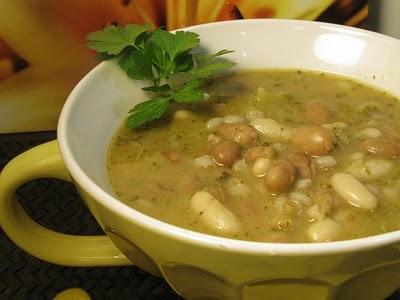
56,205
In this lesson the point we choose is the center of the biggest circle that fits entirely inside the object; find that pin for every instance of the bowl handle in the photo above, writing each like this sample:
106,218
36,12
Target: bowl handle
64,249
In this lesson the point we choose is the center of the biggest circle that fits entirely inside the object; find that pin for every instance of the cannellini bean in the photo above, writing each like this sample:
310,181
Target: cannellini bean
317,212
353,191
318,112
280,177
239,165
371,169
313,140
323,196
213,139
381,147
303,184
391,192
204,161
253,114
369,133
213,123
343,216
285,213
238,132
237,187
336,125
325,162
181,115
225,152
272,130
261,166
324,230
212,214
254,153
231,119
300,197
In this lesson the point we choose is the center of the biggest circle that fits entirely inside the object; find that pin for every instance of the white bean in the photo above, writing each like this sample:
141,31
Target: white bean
300,197
302,184
316,212
344,216
353,191
182,114
253,114
261,166
213,123
324,230
232,119
237,187
379,167
205,161
369,133
213,139
212,214
371,169
239,165
325,162
272,130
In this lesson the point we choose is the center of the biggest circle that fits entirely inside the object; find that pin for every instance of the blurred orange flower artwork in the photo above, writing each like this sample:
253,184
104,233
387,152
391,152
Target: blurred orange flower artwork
42,42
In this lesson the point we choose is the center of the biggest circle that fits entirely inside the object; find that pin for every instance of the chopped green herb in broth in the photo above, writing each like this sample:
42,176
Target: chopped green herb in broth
159,170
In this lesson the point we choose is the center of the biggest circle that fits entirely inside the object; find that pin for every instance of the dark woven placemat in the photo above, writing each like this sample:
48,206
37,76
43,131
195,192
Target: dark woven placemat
56,205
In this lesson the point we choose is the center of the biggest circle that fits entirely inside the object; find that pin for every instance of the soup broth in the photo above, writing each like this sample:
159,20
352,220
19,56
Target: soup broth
274,155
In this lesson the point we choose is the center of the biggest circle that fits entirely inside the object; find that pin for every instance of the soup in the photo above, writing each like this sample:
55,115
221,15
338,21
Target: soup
272,156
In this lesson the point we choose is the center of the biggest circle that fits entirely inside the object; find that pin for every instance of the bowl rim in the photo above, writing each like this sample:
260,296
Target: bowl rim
202,239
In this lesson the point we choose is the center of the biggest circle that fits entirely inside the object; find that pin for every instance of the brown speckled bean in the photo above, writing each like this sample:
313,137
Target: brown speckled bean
280,177
313,140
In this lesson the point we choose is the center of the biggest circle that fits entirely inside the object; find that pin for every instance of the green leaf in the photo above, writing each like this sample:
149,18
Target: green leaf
104,56
210,69
147,111
185,40
137,65
174,44
113,39
190,92
162,89
205,58
184,62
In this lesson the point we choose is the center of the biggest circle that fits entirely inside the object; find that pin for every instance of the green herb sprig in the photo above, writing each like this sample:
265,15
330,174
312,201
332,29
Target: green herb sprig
166,59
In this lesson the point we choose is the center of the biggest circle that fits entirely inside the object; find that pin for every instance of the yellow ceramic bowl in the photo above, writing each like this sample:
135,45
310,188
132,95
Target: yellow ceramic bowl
200,266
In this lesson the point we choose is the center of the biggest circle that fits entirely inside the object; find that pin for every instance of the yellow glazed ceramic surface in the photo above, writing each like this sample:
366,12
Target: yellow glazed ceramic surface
199,266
